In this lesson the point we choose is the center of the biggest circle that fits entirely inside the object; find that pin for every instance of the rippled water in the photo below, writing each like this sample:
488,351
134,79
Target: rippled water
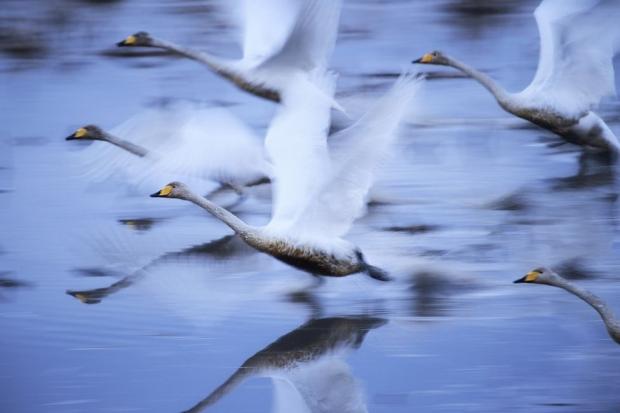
111,301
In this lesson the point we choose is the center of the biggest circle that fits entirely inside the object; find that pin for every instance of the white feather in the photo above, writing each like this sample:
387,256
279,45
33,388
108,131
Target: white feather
578,40
184,141
321,188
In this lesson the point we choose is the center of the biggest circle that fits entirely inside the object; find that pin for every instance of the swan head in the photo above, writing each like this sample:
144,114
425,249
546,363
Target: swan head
88,132
142,39
432,58
173,190
539,275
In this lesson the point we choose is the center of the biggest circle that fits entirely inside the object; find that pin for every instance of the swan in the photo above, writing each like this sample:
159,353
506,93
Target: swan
578,40
307,368
549,277
319,189
182,140
282,41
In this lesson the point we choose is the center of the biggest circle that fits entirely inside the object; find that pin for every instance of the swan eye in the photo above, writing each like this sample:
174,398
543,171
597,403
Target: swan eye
80,133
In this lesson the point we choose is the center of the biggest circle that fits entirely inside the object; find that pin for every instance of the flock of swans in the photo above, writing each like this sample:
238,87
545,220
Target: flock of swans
320,180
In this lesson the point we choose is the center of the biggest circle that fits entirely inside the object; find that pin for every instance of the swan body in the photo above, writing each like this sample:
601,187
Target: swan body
318,189
307,367
579,39
283,40
182,141
549,277
336,259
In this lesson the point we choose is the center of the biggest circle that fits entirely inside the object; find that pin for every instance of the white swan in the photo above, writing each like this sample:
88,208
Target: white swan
548,277
307,367
578,40
318,189
179,141
282,41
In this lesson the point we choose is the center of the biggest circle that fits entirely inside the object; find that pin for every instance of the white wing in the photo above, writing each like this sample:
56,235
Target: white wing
355,153
296,144
184,140
322,386
291,33
578,41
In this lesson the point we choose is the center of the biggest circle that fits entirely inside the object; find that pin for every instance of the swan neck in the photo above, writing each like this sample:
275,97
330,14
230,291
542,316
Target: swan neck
225,388
126,145
218,65
490,84
613,327
223,215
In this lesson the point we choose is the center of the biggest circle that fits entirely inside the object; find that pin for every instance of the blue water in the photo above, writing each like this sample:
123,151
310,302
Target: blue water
165,306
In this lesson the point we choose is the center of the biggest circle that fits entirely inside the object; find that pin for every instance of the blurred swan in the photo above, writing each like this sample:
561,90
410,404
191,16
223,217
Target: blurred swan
578,40
182,140
319,189
549,277
307,368
282,42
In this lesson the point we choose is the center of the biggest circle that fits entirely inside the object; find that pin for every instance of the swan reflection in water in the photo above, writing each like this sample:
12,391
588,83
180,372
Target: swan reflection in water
222,248
307,367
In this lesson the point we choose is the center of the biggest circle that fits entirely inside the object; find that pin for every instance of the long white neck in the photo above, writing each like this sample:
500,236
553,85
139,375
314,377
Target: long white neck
613,327
216,64
126,145
223,215
501,95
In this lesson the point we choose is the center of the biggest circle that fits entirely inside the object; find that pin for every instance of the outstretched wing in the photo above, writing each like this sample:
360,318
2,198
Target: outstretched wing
579,39
298,33
183,141
296,144
355,153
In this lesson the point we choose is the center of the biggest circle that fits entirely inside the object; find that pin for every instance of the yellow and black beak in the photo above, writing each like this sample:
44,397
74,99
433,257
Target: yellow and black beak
80,133
427,58
530,277
129,41
163,193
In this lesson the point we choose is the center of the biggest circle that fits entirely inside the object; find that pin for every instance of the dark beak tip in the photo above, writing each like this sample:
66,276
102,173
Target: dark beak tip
121,43
416,61
70,138
155,195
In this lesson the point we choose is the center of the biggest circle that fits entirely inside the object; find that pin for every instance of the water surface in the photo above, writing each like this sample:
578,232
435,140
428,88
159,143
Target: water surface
114,302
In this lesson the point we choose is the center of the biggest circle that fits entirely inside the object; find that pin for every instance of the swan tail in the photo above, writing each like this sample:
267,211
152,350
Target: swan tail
377,273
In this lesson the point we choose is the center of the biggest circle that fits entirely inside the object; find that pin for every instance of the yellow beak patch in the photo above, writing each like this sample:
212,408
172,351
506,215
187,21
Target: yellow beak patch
130,40
80,133
427,58
531,276
165,191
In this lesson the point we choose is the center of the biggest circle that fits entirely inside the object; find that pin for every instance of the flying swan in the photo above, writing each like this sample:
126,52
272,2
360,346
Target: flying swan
282,41
548,277
319,189
180,140
578,40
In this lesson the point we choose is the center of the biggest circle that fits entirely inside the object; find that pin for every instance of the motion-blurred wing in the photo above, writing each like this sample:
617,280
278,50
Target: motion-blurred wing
288,33
355,153
296,144
211,143
313,37
322,386
579,39
184,141
265,26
